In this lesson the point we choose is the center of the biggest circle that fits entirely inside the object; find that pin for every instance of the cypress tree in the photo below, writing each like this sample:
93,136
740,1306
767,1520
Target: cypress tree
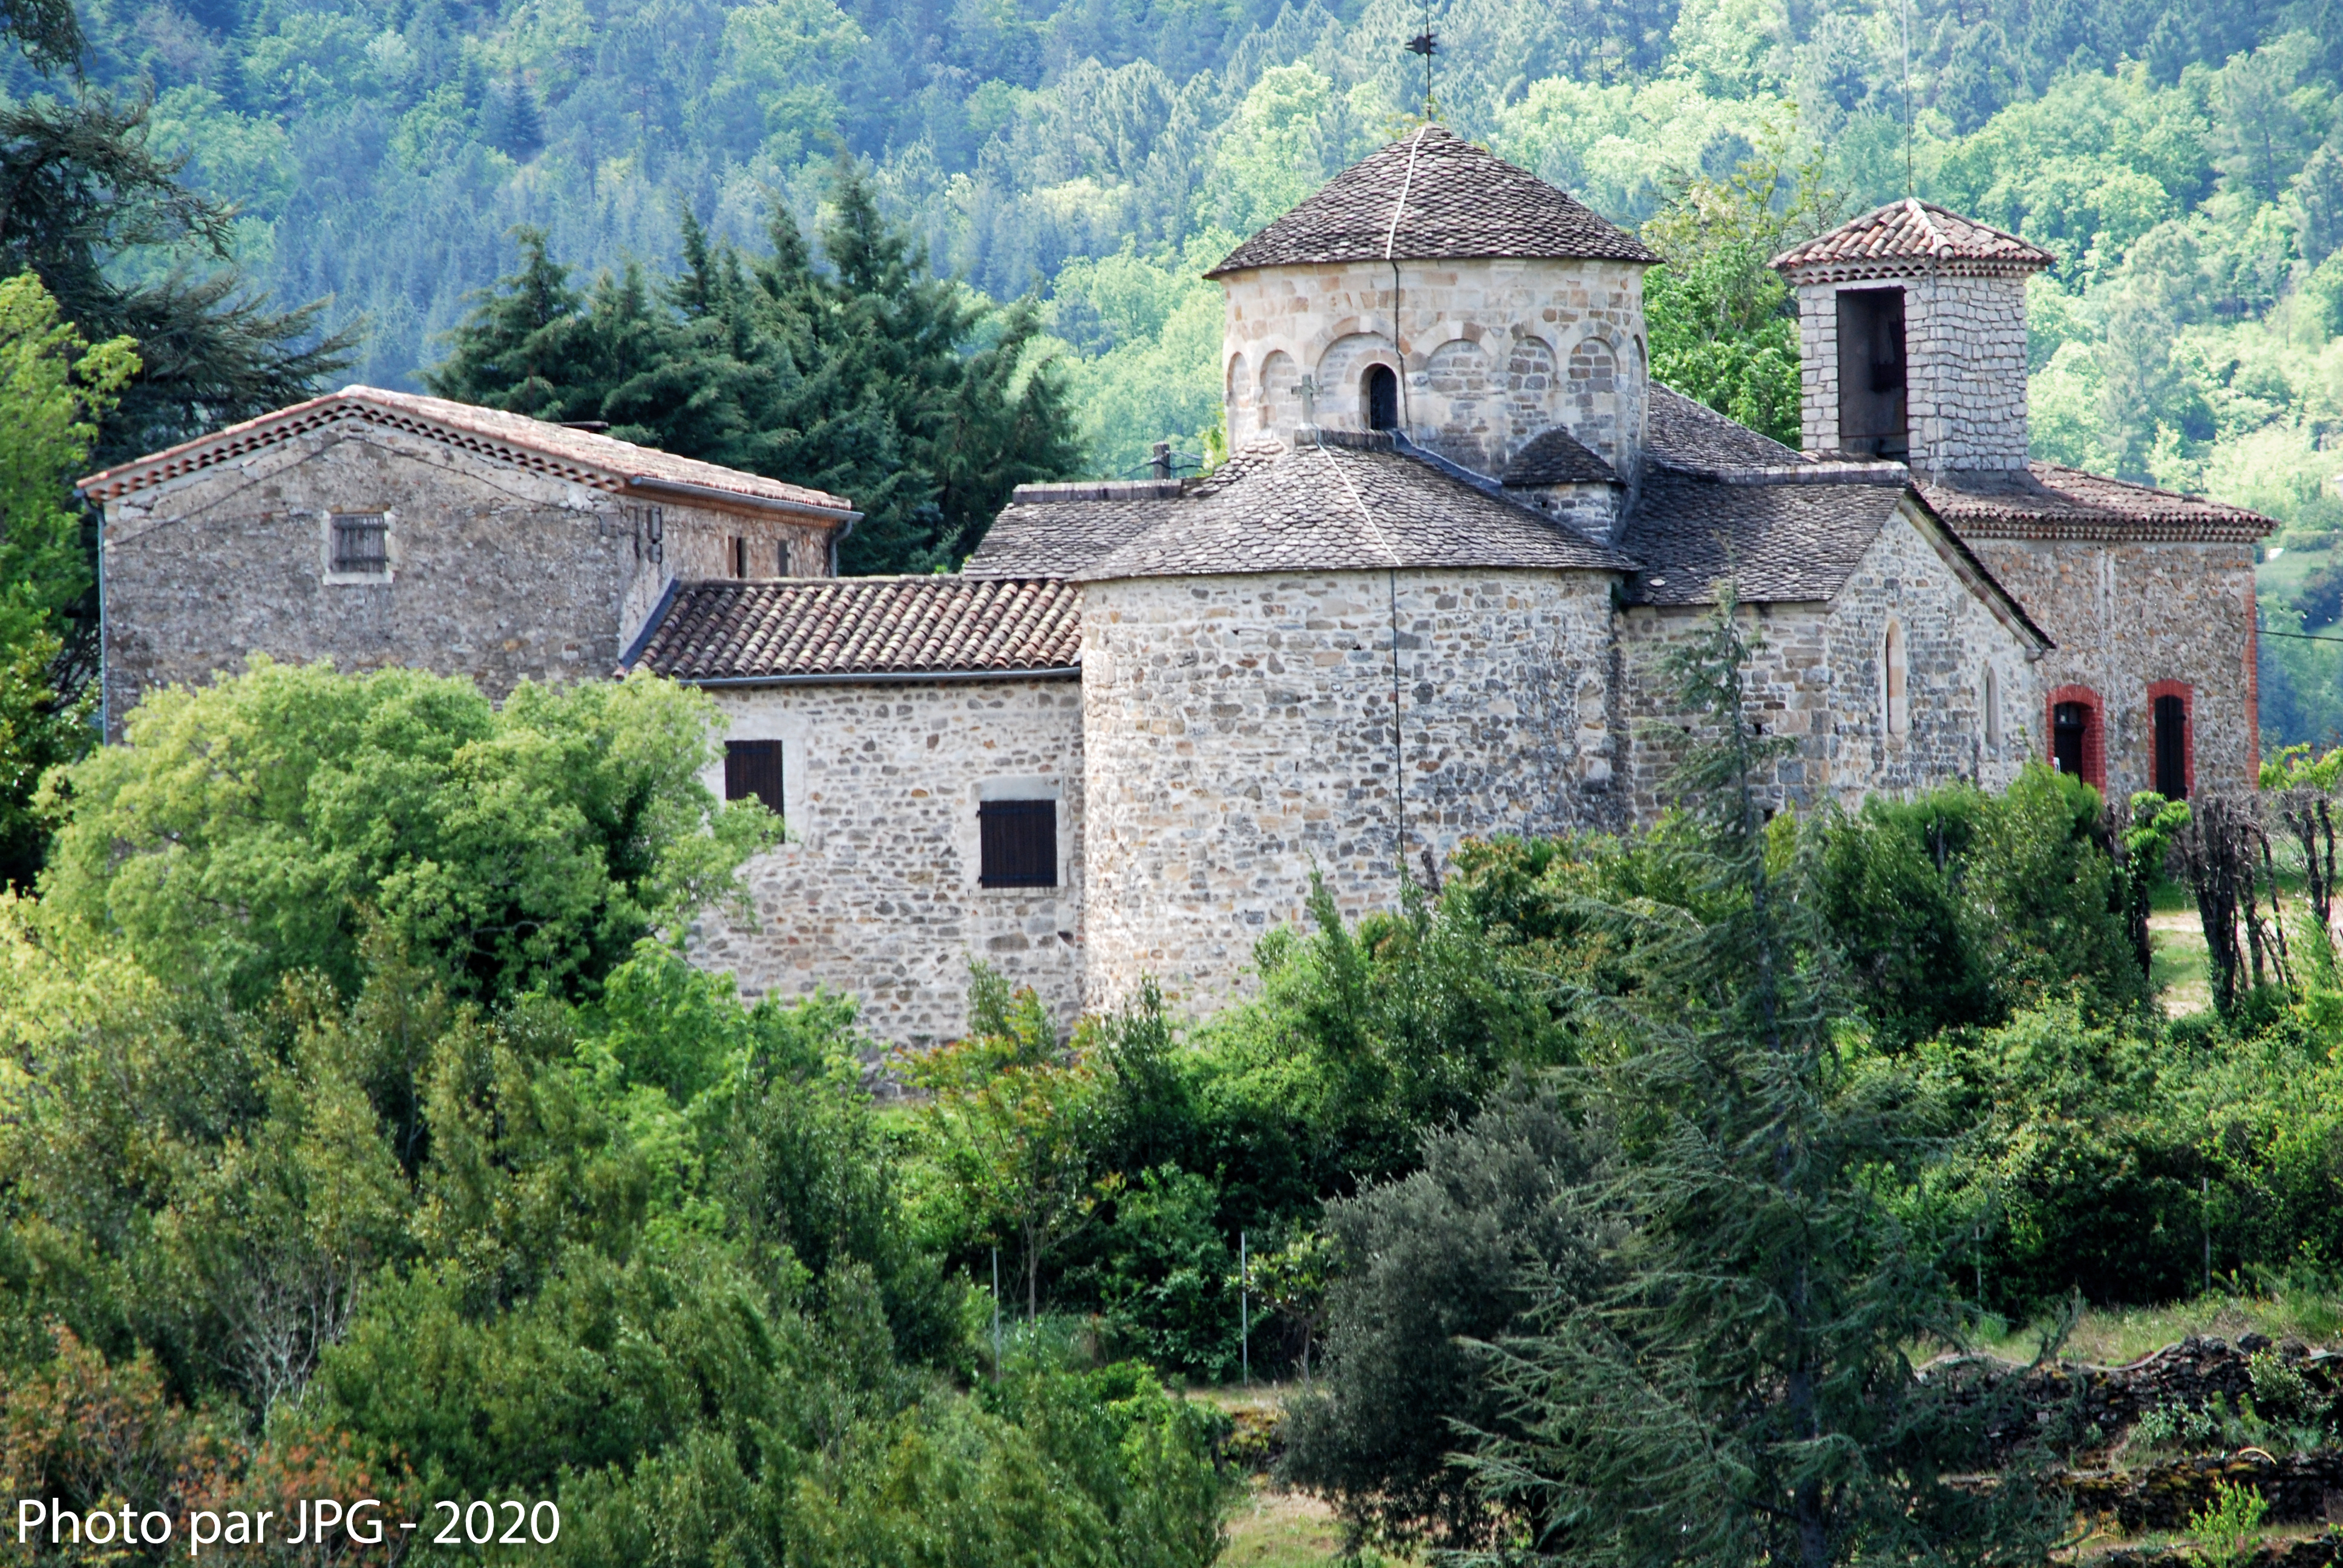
1744,1394
78,188
876,380
524,347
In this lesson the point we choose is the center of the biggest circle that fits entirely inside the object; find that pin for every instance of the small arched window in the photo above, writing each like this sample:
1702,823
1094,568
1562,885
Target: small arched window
1992,705
1898,703
1381,394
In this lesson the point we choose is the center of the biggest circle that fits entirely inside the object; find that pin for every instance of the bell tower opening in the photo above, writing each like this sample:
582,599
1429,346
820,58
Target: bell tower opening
1872,417
1380,390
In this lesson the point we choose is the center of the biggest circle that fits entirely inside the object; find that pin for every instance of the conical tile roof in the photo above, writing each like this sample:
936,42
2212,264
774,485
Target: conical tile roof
1433,196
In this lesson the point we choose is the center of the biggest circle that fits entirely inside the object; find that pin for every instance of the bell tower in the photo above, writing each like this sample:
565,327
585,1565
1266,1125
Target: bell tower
1912,339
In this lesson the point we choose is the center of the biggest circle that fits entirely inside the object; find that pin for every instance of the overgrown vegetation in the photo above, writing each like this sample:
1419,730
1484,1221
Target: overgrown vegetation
363,1130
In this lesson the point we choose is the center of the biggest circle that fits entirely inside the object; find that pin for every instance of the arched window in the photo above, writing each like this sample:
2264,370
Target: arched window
1898,703
2078,743
2172,762
1992,705
1380,390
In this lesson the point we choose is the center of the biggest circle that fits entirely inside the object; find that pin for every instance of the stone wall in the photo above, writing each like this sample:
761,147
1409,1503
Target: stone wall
1965,368
496,572
875,893
2127,616
1820,679
1497,351
1239,738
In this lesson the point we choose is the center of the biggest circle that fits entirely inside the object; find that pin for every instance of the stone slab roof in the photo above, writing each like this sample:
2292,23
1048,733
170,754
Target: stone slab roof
1684,433
2048,501
839,629
1786,536
1907,235
1056,530
581,455
1558,457
1782,542
1433,196
1352,504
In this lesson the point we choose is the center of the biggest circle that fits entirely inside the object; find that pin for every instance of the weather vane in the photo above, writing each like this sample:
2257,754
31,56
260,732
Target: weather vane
1425,44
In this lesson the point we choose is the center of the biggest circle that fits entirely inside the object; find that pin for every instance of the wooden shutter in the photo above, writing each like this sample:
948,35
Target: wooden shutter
2171,747
752,771
361,543
1020,843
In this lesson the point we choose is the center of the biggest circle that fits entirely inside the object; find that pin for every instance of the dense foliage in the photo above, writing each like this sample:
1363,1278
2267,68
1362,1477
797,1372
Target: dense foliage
361,1131
53,387
380,153
870,379
305,1192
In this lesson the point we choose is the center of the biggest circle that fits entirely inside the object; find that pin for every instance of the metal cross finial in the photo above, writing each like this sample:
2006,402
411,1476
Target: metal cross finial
1425,44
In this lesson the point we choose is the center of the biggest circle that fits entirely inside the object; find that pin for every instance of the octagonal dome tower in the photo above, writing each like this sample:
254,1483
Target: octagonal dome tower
1435,289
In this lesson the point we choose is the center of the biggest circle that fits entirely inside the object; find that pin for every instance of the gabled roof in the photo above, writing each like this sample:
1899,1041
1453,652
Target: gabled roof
845,628
1787,536
1558,457
2048,501
1350,503
1056,530
1910,235
581,455
1684,433
1433,196
1783,542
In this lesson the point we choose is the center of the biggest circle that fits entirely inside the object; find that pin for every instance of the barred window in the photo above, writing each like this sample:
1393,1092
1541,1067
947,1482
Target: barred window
1017,841
362,543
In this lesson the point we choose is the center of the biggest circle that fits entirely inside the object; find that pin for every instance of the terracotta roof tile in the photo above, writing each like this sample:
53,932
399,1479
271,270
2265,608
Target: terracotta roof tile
2047,501
842,627
580,454
1433,196
1908,234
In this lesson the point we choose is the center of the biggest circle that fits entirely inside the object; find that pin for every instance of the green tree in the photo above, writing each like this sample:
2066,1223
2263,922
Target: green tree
85,194
1724,329
1011,1131
873,379
1744,1392
260,826
54,388
1456,1253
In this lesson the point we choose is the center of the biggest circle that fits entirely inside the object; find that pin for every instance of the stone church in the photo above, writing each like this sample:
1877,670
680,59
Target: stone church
1428,596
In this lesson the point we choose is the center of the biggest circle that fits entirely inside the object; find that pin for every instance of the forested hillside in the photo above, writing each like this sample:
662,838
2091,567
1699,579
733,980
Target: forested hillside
2184,162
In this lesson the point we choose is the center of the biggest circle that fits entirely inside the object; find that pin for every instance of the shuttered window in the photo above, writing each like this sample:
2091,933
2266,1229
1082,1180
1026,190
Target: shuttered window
1020,843
752,771
362,543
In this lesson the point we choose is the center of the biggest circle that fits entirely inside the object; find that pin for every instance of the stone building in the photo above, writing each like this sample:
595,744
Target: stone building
1428,598
374,527
1911,335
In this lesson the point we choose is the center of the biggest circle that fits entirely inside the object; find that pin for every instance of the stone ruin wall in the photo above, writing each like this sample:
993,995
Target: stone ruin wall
2126,616
496,572
1965,368
1238,738
875,893
1498,351
1819,680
